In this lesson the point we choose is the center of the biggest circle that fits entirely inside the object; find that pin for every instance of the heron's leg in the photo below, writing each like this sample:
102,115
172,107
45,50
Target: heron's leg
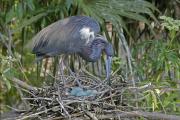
60,72
71,72
74,75
39,64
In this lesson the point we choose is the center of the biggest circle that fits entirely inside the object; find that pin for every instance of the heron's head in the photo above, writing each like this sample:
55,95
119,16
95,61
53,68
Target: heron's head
108,49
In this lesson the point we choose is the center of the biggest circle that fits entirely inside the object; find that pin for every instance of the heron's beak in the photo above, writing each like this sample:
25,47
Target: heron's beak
108,68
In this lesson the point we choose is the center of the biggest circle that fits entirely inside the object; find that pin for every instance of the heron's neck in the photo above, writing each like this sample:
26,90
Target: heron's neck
95,53
92,52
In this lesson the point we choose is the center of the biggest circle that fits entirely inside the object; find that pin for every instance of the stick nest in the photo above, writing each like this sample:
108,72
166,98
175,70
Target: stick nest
57,102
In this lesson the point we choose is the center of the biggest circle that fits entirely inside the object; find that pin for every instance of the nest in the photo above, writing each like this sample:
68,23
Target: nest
61,101
58,102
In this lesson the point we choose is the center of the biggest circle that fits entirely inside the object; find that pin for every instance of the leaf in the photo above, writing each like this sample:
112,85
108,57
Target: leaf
10,15
27,22
68,3
112,10
30,4
154,100
7,82
19,10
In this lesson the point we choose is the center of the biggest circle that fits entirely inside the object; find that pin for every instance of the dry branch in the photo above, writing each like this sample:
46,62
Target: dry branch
23,84
132,114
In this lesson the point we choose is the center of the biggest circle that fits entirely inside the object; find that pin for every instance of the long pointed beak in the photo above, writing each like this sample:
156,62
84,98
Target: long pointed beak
108,68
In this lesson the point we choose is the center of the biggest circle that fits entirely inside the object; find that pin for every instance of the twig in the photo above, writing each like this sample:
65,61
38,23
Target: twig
149,115
35,114
60,103
88,73
14,109
91,115
22,95
23,84
38,98
68,102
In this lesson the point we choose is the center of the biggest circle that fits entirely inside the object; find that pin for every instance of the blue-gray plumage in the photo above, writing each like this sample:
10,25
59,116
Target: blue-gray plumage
76,34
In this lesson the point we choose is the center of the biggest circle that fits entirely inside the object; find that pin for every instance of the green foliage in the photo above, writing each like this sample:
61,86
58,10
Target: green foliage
159,64
116,62
6,70
172,25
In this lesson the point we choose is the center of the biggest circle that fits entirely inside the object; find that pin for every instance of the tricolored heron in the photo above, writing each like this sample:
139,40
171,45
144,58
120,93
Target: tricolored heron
75,34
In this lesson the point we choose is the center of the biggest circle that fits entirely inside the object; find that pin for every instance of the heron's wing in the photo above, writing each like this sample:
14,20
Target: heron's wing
63,36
